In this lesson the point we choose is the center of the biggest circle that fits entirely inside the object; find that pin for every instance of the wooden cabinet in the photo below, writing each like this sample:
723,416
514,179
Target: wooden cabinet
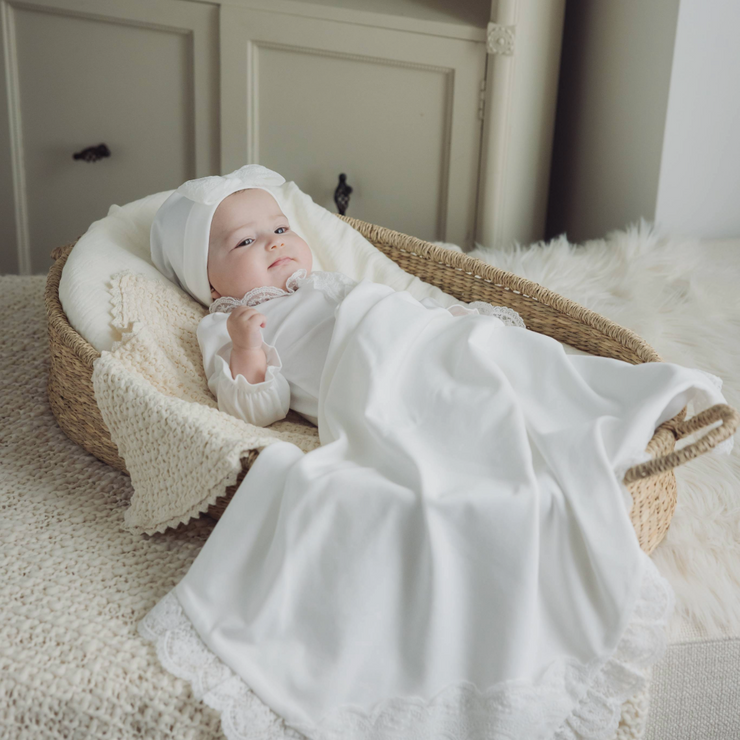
140,77
441,120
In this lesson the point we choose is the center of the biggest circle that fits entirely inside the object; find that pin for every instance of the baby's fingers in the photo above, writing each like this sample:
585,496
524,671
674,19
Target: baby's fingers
240,311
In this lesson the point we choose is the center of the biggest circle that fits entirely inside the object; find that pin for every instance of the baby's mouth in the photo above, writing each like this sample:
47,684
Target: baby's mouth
280,260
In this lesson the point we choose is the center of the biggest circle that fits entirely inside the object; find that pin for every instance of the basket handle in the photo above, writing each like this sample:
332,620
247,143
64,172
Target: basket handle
730,419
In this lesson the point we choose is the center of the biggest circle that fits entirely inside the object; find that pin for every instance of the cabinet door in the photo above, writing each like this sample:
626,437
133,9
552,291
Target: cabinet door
396,111
138,76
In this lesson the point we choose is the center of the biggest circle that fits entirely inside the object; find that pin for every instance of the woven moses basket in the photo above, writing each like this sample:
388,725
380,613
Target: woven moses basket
651,484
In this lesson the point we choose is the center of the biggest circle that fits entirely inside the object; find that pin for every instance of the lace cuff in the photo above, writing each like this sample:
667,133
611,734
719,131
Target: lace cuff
259,404
274,365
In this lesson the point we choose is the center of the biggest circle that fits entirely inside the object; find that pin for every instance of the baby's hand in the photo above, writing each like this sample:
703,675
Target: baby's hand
244,325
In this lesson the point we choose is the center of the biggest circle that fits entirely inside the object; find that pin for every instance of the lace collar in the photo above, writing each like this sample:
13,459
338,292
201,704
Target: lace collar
254,297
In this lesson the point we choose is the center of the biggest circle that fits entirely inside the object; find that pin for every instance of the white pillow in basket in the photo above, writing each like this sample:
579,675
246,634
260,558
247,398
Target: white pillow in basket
120,241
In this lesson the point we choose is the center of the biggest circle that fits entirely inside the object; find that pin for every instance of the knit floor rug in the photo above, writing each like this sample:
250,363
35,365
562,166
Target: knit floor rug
74,583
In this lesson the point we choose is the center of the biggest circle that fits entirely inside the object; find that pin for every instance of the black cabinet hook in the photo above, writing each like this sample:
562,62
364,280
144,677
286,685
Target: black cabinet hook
93,153
342,193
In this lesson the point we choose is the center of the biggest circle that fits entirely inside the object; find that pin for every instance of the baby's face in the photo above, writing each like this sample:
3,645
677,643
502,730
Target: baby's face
251,245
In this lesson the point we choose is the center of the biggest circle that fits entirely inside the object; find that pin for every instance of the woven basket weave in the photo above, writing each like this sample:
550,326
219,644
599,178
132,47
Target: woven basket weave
652,484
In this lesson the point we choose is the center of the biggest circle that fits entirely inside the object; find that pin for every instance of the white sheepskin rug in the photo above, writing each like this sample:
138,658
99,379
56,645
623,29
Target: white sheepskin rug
686,305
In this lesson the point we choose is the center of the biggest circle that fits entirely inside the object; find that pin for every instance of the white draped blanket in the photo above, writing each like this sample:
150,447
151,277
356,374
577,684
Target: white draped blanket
456,561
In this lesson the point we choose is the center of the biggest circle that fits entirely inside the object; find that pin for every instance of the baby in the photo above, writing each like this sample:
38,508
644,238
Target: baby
228,243
251,245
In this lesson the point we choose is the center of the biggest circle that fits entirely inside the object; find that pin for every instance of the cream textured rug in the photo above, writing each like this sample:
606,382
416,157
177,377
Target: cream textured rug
74,583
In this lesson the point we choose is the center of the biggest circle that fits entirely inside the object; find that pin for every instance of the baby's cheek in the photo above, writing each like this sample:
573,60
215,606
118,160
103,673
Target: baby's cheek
307,254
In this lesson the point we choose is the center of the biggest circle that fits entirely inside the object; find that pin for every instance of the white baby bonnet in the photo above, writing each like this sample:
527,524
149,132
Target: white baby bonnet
181,227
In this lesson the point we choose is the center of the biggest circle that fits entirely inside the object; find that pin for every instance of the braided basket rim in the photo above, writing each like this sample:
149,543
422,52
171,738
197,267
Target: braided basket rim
508,281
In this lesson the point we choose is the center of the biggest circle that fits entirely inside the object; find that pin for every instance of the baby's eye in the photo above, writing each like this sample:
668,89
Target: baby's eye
244,243
284,228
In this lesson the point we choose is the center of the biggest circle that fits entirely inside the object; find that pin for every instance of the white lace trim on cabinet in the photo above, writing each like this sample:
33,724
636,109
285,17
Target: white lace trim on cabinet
596,692
335,285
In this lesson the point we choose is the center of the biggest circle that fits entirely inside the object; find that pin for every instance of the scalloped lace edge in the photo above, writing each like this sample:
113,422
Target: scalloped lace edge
595,693
335,284
508,315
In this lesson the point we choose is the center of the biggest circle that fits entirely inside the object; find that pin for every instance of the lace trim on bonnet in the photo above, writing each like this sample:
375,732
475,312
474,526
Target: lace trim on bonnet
337,285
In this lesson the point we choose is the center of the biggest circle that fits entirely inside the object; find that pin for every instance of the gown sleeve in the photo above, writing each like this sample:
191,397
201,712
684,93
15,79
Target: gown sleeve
261,403
507,315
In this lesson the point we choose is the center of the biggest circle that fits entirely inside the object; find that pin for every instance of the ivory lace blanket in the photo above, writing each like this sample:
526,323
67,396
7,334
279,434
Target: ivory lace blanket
455,560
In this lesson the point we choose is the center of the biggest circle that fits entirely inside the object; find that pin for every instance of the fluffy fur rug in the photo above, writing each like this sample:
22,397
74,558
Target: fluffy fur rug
681,297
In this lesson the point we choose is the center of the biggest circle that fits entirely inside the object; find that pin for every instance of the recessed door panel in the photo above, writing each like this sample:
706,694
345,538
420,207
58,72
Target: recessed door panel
385,126
79,80
396,111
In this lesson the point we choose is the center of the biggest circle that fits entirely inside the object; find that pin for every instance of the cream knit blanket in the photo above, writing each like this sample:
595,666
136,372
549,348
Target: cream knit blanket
180,450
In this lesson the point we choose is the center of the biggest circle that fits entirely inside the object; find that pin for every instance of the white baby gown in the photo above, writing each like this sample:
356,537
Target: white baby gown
296,340
455,561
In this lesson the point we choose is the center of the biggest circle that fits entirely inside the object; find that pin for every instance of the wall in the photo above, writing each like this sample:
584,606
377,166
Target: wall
612,100
699,184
